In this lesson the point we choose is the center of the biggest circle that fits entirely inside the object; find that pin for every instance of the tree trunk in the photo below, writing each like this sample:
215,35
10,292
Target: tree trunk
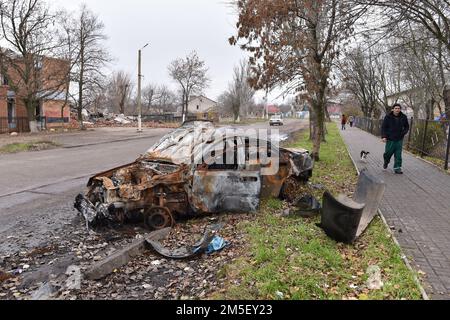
430,109
184,108
31,112
312,118
80,108
317,139
80,98
447,101
62,117
321,123
316,136
327,115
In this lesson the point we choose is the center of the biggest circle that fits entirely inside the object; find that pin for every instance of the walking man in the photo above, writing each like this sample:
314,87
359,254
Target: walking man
343,121
351,120
394,129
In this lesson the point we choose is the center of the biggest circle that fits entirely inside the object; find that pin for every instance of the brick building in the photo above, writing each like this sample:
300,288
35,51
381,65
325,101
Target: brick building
50,97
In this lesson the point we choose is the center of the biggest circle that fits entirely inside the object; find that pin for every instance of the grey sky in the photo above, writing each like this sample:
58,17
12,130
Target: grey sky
173,28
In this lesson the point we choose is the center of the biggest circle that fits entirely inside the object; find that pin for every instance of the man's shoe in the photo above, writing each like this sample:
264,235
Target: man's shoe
398,171
385,166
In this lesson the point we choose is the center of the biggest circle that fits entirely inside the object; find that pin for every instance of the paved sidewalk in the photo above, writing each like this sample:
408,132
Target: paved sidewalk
417,205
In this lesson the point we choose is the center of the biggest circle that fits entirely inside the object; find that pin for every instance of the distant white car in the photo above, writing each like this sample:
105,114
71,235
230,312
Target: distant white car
276,120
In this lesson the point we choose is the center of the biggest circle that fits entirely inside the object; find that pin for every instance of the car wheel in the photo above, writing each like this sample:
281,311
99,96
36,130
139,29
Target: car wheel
158,218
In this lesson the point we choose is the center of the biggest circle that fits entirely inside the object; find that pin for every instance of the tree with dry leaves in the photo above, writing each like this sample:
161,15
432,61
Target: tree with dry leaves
294,43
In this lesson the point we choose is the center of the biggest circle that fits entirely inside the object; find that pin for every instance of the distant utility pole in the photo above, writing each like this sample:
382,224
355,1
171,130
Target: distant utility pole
139,89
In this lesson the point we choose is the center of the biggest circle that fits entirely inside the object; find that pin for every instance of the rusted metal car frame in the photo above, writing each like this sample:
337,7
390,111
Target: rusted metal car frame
185,175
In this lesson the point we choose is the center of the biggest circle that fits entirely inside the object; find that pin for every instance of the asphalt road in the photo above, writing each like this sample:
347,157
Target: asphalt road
37,189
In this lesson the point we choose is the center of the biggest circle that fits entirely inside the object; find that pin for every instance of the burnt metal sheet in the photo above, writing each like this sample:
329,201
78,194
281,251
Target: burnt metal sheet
217,191
308,206
341,217
89,211
370,190
185,252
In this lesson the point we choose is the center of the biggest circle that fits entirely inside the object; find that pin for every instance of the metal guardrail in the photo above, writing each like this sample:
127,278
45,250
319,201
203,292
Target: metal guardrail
426,137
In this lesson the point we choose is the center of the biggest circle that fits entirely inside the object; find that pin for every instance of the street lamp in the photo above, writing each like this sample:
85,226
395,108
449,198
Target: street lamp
139,88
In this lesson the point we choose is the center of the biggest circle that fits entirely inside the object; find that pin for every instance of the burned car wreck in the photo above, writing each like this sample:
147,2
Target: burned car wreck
197,169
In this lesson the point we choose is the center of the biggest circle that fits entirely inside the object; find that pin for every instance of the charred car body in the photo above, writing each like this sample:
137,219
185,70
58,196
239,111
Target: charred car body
196,169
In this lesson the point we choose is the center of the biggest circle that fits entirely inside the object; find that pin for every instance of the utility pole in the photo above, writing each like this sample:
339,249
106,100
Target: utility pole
139,94
139,89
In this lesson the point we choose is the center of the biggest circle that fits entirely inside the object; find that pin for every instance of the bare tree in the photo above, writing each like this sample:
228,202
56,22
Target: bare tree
87,32
149,97
166,99
294,43
119,91
360,77
239,96
31,62
432,15
410,67
191,75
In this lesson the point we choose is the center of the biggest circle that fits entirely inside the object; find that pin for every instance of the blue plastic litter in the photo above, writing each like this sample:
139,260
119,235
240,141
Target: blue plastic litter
217,244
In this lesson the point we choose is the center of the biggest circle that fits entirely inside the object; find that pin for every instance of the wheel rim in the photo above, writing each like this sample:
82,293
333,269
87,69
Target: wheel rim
158,218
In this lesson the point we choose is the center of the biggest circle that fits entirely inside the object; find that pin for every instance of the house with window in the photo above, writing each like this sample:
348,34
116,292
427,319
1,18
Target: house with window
273,110
202,107
50,94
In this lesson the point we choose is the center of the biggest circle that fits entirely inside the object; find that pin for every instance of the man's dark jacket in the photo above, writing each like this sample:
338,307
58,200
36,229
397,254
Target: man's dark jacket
395,128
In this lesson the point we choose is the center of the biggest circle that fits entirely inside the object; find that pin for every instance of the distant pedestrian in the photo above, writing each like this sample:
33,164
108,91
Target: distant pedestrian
394,129
443,121
351,120
343,121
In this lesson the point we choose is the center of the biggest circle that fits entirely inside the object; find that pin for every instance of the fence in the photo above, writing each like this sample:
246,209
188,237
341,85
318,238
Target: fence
19,124
426,138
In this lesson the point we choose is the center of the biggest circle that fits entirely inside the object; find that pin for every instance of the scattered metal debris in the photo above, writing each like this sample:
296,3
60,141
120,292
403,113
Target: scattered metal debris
151,241
184,252
308,206
370,190
345,219
186,174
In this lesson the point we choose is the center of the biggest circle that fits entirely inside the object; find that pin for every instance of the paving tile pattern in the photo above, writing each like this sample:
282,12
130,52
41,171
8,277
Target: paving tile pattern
417,207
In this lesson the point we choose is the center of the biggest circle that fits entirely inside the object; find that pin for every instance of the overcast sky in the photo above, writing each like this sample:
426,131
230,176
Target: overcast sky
173,28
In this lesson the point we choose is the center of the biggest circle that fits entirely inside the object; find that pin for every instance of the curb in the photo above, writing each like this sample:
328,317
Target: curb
426,161
403,256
